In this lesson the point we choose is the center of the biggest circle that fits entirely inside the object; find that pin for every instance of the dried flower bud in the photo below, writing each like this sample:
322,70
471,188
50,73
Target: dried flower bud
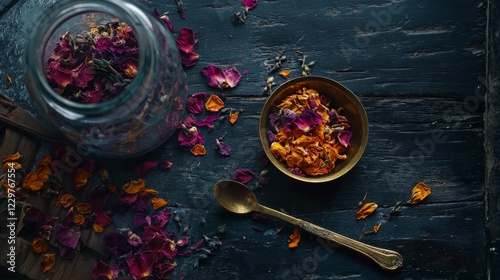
311,63
270,80
283,57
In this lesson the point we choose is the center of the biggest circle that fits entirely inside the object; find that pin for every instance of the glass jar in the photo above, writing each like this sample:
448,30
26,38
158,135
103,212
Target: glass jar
139,118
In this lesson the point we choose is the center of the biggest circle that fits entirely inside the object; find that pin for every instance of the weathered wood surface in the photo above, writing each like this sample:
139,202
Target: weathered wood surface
418,68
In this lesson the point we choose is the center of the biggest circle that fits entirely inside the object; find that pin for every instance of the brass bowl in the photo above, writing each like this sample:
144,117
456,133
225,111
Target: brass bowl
340,97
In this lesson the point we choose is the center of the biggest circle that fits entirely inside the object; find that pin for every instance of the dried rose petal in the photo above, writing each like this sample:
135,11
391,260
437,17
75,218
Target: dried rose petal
165,164
152,231
143,169
214,103
142,203
161,218
134,186
158,203
142,219
344,136
220,78
102,270
223,148
67,236
163,267
243,175
81,177
165,19
284,73
102,219
250,3
198,245
98,199
13,157
40,245
68,219
194,103
185,42
140,265
116,243
208,120
198,150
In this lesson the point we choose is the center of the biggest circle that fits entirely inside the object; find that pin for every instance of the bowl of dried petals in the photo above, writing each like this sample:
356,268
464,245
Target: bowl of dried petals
313,129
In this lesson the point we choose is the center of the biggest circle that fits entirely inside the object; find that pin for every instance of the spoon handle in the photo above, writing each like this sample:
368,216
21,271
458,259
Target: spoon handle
386,259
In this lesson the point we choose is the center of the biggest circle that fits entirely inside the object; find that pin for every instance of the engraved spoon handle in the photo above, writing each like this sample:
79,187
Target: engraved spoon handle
386,259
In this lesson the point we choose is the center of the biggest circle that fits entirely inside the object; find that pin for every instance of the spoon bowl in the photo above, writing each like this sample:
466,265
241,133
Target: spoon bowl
235,197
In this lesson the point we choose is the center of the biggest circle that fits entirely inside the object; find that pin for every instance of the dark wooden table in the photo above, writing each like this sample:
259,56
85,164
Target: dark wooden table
426,72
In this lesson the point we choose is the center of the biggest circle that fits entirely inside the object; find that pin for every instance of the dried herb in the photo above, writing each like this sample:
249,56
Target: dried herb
307,135
306,68
241,16
94,66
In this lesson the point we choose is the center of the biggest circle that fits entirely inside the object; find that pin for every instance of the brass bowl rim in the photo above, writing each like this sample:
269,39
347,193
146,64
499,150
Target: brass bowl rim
334,174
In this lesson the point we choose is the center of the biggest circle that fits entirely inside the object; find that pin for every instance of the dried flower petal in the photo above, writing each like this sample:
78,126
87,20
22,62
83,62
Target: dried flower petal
250,3
420,191
185,42
102,270
234,117
11,165
344,136
366,210
33,182
209,120
294,238
69,218
198,150
67,236
40,245
116,243
214,103
141,264
165,19
220,78
98,199
9,82
143,169
97,228
161,218
13,157
158,203
223,148
81,178
67,200
48,261
102,219
194,103
79,220
83,207
134,187
243,175
285,73
165,164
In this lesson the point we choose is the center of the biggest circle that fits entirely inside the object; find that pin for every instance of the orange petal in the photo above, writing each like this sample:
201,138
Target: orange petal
97,228
366,210
158,203
198,150
134,187
33,182
79,220
150,191
48,261
13,157
83,207
47,159
234,117
11,165
9,82
43,170
420,191
40,245
294,238
214,103
67,200
285,73
81,178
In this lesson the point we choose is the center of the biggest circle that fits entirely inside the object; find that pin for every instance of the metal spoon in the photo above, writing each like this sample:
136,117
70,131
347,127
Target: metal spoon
238,198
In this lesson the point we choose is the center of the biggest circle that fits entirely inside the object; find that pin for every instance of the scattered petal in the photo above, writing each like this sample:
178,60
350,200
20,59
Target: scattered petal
198,150
234,117
102,270
214,103
243,175
294,238
420,191
134,187
194,103
79,220
158,203
83,207
67,236
142,203
102,219
285,73
209,120
220,78
67,200
40,245
9,82
366,210
33,182
48,261
143,169
165,164
116,243
81,178
185,42
223,148
13,157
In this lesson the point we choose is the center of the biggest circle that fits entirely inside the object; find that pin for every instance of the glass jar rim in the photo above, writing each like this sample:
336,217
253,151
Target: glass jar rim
60,13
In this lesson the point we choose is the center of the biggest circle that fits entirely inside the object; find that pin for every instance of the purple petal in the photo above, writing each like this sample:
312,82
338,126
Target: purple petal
224,149
250,3
194,103
67,236
208,120
344,137
161,218
116,243
243,175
